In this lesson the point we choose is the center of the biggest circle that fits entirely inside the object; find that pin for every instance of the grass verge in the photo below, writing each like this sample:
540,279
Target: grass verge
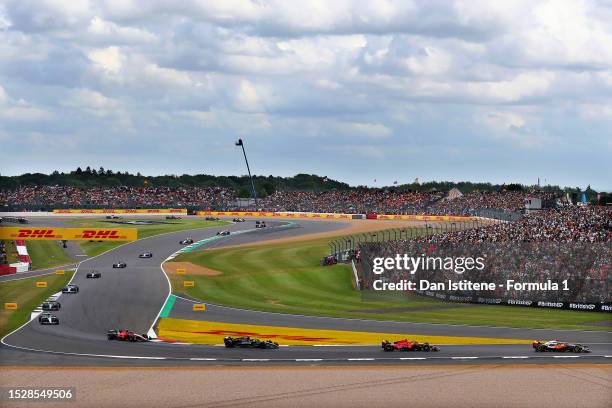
287,278
27,296
96,248
47,254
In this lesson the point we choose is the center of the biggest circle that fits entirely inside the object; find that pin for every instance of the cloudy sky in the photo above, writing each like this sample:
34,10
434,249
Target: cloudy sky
504,91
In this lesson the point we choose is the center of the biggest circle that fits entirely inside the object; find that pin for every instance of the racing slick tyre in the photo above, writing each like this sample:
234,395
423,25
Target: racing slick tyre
426,347
541,348
577,349
388,347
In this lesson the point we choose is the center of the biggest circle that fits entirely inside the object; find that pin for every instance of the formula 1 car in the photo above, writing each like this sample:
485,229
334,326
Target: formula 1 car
186,241
146,255
223,233
120,265
407,345
559,346
70,289
93,275
51,305
260,224
212,219
172,217
113,217
126,335
238,220
247,342
47,318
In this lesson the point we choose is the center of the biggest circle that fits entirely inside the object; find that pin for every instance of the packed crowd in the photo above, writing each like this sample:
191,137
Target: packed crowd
573,243
475,202
348,202
217,198
116,197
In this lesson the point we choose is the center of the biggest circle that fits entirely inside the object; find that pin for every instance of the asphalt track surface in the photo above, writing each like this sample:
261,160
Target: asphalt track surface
132,298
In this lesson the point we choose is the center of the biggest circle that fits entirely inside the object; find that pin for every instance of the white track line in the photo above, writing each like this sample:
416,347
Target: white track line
517,357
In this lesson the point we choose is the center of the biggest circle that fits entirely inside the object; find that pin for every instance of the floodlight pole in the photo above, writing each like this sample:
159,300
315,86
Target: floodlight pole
241,144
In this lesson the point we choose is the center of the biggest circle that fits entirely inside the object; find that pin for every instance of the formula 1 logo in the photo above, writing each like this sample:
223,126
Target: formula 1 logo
93,234
37,233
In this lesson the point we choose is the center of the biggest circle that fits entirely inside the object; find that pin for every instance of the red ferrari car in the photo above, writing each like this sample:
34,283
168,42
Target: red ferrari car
407,345
125,335
559,346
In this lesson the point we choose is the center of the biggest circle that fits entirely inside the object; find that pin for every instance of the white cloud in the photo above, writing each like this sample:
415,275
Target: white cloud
247,97
21,110
371,130
102,30
108,59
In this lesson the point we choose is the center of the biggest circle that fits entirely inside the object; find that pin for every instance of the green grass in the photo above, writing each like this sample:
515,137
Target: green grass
27,296
96,248
288,278
47,254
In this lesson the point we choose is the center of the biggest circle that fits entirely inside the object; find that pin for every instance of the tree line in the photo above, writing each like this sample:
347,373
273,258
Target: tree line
265,185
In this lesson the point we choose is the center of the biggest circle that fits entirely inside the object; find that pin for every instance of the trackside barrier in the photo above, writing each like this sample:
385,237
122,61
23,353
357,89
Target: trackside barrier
423,217
334,216
123,211
7,270
70,234
22,256
10,306
274,214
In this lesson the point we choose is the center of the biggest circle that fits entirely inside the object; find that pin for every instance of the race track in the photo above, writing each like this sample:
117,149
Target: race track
133,297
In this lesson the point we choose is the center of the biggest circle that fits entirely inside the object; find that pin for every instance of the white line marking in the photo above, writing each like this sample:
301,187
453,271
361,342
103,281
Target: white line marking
360,359
608,356
413,358
202,359
566,356
255,359
308,359
463,358
515,357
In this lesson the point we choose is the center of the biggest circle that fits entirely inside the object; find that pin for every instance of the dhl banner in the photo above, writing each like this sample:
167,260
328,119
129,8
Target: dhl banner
331,216
273,214
423,217
69,234
123,211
